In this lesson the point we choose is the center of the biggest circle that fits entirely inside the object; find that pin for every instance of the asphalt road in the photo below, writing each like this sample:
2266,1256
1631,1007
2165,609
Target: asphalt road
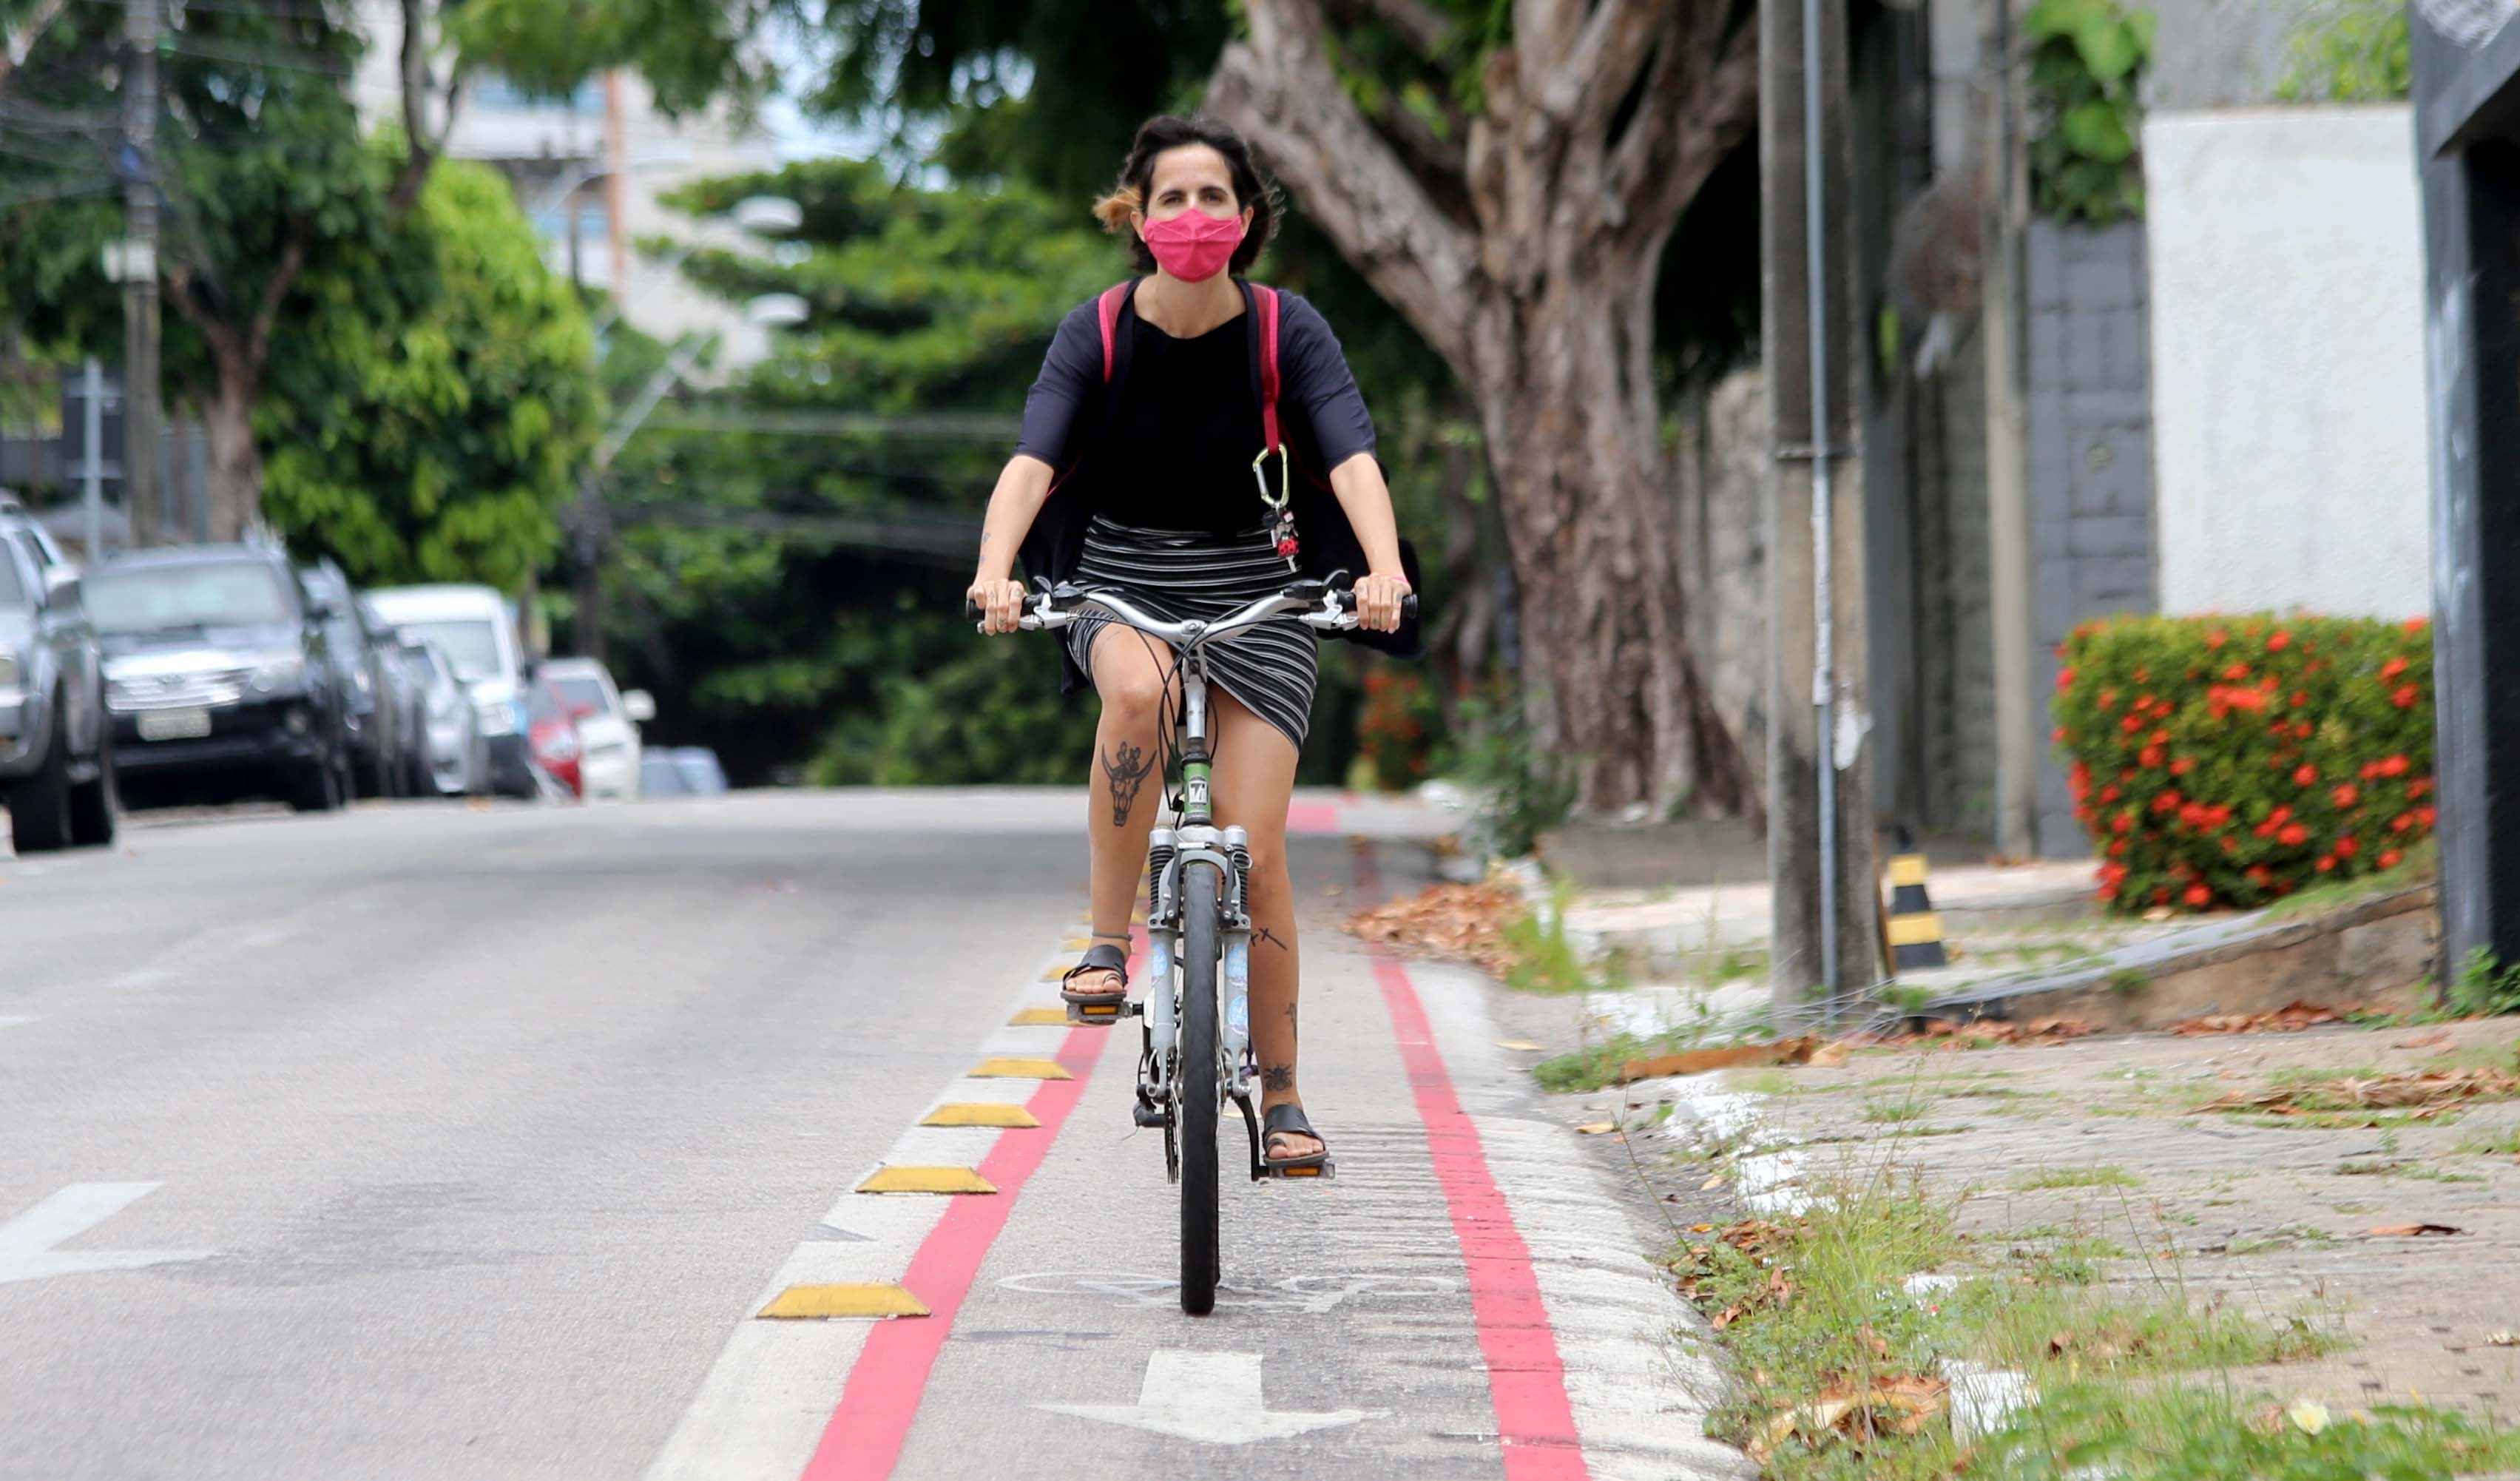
434,1141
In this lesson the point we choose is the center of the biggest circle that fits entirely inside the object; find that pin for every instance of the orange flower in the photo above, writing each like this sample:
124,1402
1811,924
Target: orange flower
2150,755
2392,766
2346,847
2326,863
2278,641
2236,672
2122,822
2294,836
2417,624
2217,638
2406,696
2200,896
2065,681
2347,795
2108,699
2390,858
2306,774
2182,766
2393,668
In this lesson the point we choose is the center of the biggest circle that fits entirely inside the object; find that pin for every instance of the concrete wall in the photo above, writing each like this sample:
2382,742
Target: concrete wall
2287,271
2090,454
1718,475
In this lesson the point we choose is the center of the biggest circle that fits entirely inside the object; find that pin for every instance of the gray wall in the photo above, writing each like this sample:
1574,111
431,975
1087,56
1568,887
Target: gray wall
2090,454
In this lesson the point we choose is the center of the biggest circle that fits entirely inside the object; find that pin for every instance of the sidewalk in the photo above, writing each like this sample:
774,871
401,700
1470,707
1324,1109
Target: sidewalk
2380,1245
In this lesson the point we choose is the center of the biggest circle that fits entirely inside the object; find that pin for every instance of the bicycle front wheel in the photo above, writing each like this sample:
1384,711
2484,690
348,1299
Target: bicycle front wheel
1195,1084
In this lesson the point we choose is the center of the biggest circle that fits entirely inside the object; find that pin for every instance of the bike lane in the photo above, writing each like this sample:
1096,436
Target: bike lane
1464,1299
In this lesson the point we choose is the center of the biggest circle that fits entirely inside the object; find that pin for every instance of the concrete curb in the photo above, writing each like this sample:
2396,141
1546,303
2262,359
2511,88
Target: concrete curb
2380,952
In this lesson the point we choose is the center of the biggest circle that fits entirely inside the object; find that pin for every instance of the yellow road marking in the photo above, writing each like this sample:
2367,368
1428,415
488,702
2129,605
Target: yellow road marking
926,1180
1076,943
807,1302
1039,1018
1018,1069
980,1113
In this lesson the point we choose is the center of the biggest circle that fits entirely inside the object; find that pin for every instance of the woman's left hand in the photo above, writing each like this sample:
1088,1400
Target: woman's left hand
1377,602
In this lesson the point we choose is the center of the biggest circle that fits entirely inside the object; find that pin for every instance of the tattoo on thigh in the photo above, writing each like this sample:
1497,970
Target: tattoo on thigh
1264,933
1278,1077
1126,767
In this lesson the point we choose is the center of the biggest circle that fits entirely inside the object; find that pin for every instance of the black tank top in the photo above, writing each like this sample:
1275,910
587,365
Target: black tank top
1185,433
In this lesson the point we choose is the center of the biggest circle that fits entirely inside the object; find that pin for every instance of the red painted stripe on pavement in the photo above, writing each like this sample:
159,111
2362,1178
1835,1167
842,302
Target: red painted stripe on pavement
1526,1378
864,1439
1312,818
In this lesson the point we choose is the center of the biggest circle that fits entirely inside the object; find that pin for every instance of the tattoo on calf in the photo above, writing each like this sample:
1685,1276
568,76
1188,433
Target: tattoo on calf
1264,933
1126,767
1278,1077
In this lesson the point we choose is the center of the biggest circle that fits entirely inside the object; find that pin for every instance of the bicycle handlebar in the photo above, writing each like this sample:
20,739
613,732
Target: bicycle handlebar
1328,605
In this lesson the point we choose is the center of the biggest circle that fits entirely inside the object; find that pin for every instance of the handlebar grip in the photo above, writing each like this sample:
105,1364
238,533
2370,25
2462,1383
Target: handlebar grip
1345,601
972,611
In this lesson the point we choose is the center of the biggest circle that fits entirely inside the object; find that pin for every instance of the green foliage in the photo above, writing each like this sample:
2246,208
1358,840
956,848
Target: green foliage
2353,51
427,420
2221,760
2086,65
2484,985
1525,789
2167,1433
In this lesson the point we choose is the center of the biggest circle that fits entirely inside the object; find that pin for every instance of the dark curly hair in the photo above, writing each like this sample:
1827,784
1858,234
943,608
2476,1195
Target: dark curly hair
1251,189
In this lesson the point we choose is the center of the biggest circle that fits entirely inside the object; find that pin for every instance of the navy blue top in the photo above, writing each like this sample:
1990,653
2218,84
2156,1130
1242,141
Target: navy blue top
1092,433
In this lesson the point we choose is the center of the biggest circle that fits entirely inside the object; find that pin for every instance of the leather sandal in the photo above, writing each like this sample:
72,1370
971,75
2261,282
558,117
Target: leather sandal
1287,1118
1097,1007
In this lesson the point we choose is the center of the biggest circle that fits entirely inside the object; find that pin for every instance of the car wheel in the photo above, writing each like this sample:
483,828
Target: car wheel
96,808
318,788
39,807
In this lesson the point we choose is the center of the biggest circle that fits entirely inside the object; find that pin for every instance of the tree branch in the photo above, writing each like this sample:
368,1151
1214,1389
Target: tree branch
275,292
1279,91
421,145
185,298
1704,104
1544,31
1586,88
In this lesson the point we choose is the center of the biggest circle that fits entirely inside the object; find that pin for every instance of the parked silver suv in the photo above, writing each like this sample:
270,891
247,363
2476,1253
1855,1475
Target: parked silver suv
56,749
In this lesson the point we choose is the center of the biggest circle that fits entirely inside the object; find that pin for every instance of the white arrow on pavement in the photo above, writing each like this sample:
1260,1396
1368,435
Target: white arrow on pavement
1211,1397
27,1242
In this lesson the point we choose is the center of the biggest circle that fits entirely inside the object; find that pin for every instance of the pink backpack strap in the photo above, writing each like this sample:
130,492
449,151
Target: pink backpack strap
1108,309
1266,298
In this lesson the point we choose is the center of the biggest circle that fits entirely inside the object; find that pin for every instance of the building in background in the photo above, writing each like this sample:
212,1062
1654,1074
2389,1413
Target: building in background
593,168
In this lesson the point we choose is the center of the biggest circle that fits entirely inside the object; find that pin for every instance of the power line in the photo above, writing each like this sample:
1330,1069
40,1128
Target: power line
60,191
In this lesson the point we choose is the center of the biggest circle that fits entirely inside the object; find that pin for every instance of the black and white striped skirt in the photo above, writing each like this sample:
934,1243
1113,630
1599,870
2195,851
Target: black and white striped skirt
1179,576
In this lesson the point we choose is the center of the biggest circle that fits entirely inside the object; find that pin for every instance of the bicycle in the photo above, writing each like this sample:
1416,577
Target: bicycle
1196,1019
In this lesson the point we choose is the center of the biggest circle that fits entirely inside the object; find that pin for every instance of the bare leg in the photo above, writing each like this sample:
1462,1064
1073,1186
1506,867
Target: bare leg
1125,788
1256,776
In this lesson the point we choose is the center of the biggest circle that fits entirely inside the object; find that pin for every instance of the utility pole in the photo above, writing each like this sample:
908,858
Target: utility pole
1820,811
139,255
2021,740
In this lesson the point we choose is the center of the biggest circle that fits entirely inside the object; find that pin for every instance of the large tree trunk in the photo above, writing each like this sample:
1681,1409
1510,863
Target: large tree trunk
1527,260
234,462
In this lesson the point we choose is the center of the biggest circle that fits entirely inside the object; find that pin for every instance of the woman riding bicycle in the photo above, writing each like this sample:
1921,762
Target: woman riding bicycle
1135,474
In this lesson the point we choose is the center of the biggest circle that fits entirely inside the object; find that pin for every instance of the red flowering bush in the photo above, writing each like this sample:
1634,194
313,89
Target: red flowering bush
2231,760
1399,727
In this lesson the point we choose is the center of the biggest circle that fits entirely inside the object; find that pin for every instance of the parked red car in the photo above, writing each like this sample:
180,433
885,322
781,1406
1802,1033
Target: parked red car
551,730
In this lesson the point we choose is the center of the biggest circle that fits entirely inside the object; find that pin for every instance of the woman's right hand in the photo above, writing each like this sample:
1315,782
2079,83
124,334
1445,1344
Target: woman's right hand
1001,602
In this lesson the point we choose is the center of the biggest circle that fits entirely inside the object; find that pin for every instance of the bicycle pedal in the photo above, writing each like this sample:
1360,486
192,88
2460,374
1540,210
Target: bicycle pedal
1098,1015
1326,1172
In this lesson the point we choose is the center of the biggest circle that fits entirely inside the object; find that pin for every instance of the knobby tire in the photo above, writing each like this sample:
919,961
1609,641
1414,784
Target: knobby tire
1196,1086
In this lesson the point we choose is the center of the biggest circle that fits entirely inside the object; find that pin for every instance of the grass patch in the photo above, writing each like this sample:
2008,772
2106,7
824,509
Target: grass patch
2420,864
2349,1121
2503,1143
1591,1067
2168,1432
2097,1176
1892,1112
1833,1364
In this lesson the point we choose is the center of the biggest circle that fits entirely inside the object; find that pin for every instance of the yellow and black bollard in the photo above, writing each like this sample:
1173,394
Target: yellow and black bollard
1916,932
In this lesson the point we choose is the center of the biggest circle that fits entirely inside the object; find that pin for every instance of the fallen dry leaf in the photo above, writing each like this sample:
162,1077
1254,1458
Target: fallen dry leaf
2434,1040
1830,1055
2424,1093
1597,1127
1899,1406
1466,922
2502,1339
1697,1061
1523,1045
2282,1020
1715,1182
2413,1231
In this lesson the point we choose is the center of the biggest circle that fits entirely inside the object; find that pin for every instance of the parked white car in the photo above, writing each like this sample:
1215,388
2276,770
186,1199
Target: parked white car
457,754
608,726
475,628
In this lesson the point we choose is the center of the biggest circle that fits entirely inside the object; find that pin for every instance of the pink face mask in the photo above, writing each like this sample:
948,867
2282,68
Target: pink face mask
1193,246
